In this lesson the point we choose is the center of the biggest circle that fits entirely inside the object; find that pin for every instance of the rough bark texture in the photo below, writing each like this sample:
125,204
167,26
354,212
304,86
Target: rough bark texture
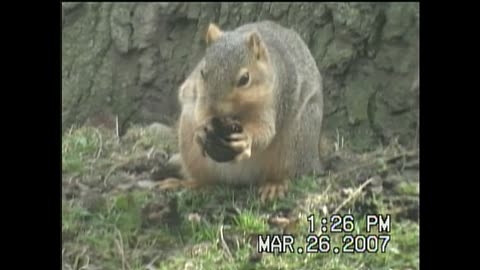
128,59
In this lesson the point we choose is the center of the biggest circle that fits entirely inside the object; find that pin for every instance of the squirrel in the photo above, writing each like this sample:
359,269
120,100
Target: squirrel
252,111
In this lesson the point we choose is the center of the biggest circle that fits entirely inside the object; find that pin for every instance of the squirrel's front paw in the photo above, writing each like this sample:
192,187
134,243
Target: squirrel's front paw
222,140
241,143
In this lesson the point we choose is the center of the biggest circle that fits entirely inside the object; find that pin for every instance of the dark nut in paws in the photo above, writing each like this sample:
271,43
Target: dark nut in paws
214,138
226,126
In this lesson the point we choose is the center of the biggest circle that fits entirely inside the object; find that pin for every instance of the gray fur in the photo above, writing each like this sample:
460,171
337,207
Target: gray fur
298,104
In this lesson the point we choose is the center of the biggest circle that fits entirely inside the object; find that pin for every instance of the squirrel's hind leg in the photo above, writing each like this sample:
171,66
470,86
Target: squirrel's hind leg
175,183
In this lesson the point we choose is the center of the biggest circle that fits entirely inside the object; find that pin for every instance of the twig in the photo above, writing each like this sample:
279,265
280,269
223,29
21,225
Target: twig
150,267
353,195
116,127
412,164
339,142
101,145
369,164
150,264
119,165
326,190
86,264
77,258
402,155
404,198
150,152
114,167
70,130
224,245
120,247
417,133
404,160
99,152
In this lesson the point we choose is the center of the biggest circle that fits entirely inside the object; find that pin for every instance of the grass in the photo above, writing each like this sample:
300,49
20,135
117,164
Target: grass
216,229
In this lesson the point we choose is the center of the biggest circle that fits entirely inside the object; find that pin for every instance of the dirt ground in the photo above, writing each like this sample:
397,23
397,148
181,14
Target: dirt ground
114,217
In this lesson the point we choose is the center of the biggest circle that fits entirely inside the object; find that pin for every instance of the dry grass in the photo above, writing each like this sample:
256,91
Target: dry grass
111,222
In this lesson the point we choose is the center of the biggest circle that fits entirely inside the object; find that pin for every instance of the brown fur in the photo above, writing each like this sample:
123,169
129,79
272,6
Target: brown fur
274,155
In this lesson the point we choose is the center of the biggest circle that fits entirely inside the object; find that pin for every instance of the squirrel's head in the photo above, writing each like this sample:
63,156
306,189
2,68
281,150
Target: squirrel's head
236,75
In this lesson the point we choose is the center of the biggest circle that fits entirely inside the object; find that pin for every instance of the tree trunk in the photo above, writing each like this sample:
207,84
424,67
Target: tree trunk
127,60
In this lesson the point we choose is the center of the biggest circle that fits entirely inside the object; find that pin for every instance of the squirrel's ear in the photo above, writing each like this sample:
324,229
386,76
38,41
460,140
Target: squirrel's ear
213,33
255,44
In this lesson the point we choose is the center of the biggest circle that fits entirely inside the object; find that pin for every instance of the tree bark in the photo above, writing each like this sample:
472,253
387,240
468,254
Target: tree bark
127,60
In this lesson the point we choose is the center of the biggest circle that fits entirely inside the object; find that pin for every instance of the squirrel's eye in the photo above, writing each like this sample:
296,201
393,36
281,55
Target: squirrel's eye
243,80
